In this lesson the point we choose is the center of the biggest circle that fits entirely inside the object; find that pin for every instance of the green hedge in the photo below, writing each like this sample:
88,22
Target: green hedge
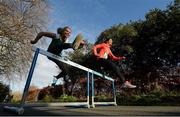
151,99
63,98
66,98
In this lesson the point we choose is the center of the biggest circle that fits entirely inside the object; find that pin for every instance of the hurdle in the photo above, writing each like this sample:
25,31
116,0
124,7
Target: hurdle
93,95
20,109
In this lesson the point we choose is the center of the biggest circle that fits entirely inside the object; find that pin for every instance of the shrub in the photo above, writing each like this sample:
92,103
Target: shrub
155,98
47,98
101,98
66,98
127,100
4,90
148,100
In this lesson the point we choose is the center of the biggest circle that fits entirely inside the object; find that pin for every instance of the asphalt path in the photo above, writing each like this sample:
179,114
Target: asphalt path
98,111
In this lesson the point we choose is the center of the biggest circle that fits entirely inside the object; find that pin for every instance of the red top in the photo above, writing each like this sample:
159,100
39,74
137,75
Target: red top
104,52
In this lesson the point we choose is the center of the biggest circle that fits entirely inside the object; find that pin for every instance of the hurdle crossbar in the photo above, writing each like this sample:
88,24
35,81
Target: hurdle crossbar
67,61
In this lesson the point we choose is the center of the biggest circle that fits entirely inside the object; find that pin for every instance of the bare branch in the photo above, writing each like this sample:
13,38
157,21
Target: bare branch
20,21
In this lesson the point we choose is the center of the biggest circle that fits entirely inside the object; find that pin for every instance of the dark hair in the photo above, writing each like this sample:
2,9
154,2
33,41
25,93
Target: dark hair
106,40
60,30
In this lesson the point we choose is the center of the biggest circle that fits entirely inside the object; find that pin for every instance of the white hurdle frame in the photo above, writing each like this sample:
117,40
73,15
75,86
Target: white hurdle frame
20,110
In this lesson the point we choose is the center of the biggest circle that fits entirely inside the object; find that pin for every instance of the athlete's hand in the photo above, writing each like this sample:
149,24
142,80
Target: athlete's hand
123,57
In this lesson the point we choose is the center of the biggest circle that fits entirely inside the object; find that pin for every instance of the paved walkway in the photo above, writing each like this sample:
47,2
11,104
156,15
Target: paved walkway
100,111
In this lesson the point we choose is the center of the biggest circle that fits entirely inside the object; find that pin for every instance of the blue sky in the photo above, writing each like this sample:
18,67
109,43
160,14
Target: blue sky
89,17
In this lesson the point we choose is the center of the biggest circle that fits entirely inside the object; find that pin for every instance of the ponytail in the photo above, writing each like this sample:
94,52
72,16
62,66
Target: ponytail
60,30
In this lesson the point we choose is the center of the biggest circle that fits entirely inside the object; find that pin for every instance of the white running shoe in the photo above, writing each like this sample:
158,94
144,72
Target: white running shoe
127,84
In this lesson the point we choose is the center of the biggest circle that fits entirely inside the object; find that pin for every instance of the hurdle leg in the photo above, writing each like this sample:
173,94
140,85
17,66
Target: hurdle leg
92,88
88,90
114,92
28,82
20,110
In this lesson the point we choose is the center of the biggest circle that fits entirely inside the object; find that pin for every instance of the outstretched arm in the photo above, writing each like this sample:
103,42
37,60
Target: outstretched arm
41,34
116,58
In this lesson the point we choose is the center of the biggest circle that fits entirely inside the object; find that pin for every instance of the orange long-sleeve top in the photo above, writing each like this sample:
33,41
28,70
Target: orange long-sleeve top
104,52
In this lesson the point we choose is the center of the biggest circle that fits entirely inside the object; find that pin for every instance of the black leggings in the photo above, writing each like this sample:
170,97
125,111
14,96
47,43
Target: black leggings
57,50
62,66
107,64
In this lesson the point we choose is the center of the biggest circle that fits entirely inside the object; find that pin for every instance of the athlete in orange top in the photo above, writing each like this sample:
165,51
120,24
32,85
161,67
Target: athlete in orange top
102,58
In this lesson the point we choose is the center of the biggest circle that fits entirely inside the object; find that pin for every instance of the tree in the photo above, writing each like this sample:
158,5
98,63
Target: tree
157,43
20,21
151,44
